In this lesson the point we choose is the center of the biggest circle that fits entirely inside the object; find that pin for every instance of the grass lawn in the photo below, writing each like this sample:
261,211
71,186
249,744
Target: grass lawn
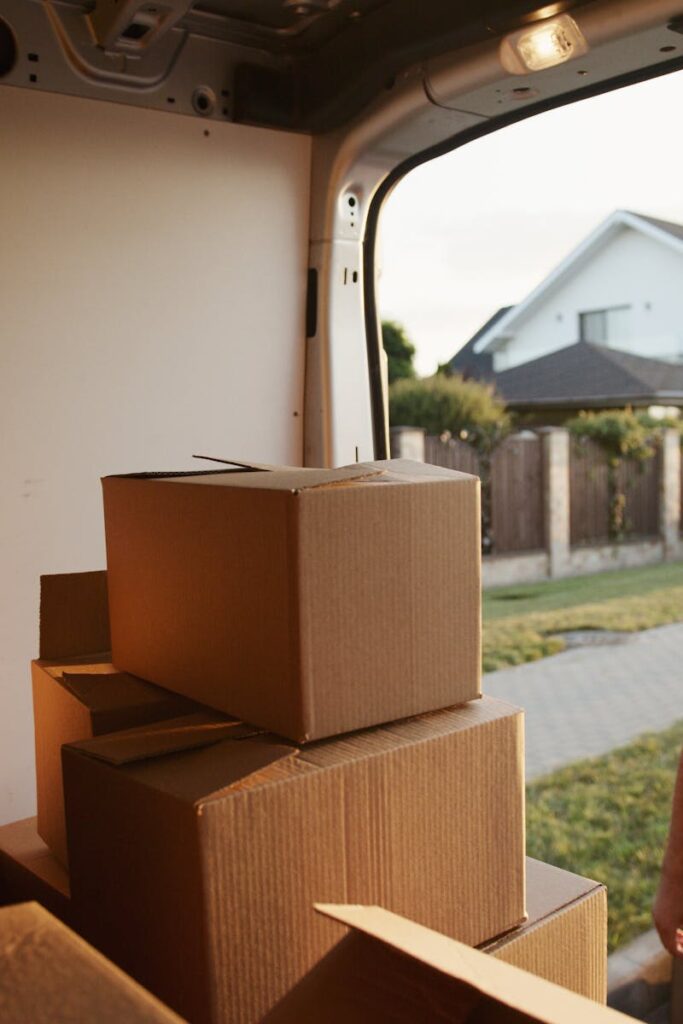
607,818
521,623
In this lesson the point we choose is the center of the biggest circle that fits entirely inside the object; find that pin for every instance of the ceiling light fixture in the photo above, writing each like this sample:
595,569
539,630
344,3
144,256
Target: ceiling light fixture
542,45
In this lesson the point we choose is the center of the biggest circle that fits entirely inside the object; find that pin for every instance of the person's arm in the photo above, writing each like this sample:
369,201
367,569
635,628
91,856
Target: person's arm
667,910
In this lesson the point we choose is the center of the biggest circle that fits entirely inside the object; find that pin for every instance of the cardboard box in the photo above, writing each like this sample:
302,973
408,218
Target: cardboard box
30,873
564,938
389,970
50,976
310,602
195,871
77,692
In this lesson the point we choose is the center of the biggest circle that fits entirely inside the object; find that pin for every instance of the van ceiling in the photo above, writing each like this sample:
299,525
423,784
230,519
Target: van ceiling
303,65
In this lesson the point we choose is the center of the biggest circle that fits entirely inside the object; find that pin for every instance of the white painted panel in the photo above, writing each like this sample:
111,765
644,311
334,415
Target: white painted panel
152,294
630,270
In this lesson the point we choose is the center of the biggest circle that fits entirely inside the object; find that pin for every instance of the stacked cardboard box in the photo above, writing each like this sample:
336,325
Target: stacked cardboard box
30,872
49,975
337,612
388,970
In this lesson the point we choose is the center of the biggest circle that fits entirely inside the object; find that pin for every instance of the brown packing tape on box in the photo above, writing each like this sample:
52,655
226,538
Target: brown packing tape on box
77,692
388,970
310,602
48,975
30,872
195,871
564,938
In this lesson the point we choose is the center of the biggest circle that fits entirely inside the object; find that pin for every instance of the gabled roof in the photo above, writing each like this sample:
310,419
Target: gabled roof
476,365
664,231
585,375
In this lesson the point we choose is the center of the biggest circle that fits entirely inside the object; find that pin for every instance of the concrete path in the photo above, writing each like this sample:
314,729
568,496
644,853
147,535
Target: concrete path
587,701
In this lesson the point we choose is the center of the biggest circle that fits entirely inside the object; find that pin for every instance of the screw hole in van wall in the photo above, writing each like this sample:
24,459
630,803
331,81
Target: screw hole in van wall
8,49
203,101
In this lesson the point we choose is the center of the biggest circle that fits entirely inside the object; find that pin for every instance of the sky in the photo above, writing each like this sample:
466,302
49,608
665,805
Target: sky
479,228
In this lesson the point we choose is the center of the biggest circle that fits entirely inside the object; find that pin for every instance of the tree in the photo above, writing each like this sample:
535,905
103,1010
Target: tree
465,409
399,349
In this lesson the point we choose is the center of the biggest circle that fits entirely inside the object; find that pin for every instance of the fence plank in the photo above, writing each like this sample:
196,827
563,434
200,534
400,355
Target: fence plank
516,487
517,495
589,496
451,453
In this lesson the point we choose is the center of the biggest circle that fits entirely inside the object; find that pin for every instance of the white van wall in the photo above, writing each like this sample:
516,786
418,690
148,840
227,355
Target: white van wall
152,296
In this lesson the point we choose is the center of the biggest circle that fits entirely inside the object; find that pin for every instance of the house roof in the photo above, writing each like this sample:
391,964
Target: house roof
476,365
664,231
585,375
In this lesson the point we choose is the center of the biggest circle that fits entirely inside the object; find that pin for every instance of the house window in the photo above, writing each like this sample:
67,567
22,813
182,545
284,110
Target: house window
605,326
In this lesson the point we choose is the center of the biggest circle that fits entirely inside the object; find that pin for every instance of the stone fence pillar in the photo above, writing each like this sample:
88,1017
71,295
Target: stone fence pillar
408,443
670,493
555,441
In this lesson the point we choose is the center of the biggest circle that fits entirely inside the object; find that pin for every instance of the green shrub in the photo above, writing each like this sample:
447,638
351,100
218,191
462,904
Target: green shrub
465,408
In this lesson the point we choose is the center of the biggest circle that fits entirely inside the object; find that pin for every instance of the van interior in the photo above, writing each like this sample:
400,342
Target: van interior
191,195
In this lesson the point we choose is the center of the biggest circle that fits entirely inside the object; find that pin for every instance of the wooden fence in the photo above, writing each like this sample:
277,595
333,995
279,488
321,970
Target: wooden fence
589,499
516,487
517,517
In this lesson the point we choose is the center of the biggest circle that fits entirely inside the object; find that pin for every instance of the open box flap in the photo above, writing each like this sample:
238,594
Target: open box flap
539,1000
172,736
111,691
408,471
297,479
280,479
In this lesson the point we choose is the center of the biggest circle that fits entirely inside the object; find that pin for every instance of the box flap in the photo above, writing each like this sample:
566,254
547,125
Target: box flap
294,478
74,615
168,737
407,471
280,479
539,1000
114,690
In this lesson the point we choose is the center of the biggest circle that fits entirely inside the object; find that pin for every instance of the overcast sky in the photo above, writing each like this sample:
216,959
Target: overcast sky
479,228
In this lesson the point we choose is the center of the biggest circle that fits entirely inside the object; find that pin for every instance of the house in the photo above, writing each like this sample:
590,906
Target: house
587,375
474,365
619,289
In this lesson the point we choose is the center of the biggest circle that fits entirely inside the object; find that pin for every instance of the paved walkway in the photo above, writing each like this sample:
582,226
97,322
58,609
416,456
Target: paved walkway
589,700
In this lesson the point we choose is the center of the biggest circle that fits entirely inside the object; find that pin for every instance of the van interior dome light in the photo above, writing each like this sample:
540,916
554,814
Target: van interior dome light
542,45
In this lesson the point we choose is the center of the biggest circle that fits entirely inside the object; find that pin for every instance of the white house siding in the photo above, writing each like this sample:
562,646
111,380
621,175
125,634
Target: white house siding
153,277
630,269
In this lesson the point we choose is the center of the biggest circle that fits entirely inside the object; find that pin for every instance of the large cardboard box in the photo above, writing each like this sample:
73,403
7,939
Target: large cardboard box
564,938
48,975
195,869
310,602
30,873
388,970
77,692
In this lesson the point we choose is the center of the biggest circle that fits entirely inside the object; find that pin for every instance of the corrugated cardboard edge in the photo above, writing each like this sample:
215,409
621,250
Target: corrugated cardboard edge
74,615
539,999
